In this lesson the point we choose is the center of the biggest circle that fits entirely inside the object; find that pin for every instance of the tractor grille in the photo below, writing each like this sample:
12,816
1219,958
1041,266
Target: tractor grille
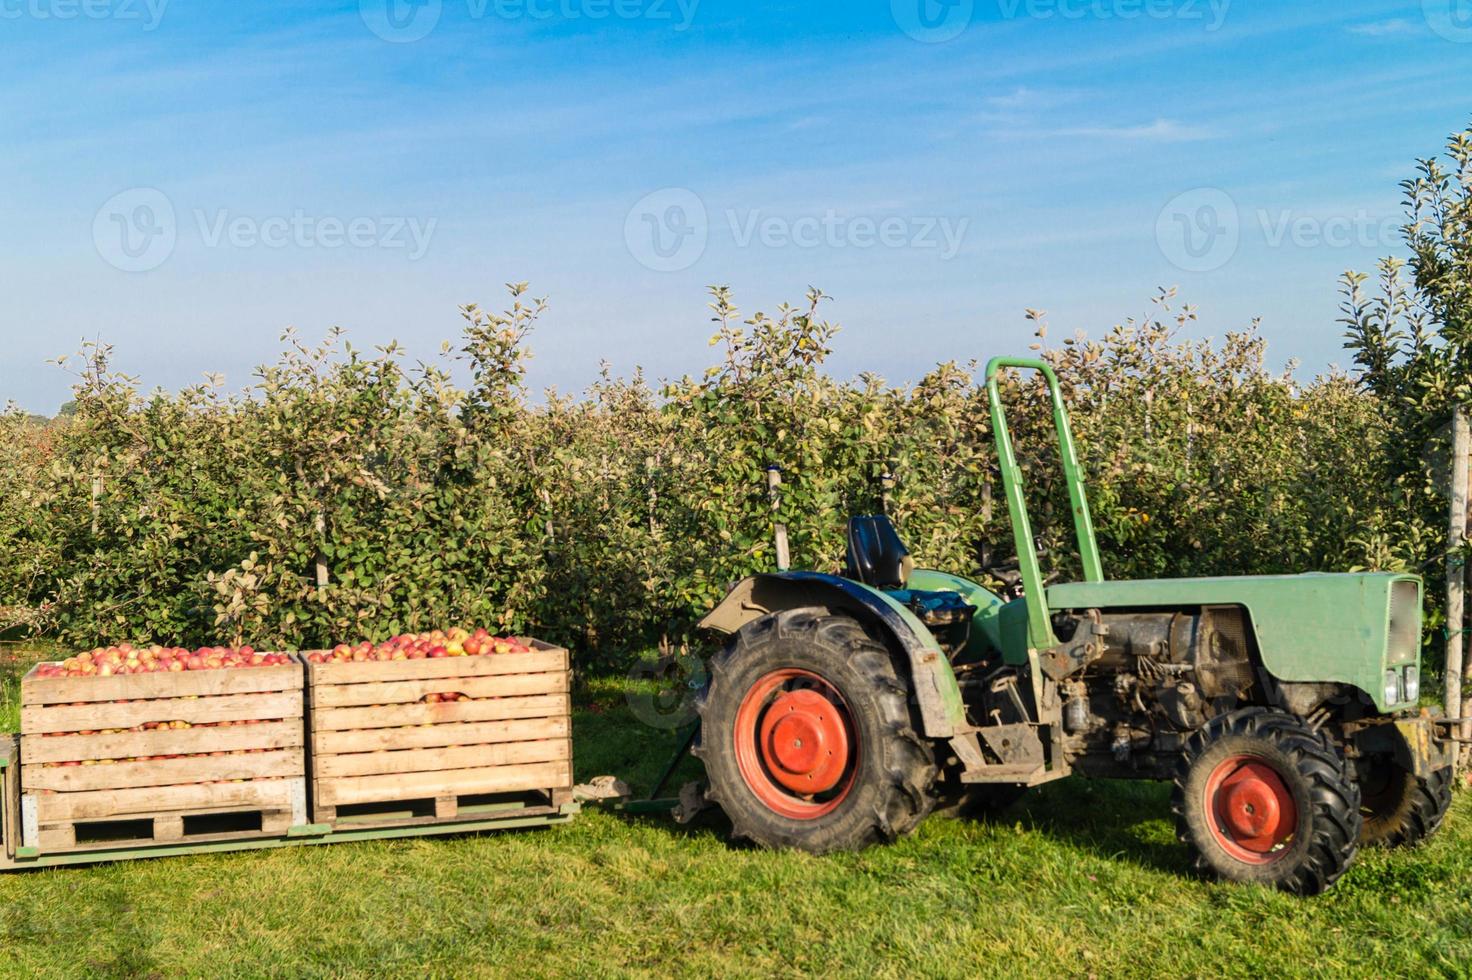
1404,640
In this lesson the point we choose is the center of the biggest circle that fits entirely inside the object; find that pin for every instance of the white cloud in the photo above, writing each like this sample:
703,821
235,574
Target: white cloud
1160,131
1383,28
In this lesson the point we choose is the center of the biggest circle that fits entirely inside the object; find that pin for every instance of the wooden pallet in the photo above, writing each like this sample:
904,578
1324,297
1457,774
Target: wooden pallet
152,799
380,754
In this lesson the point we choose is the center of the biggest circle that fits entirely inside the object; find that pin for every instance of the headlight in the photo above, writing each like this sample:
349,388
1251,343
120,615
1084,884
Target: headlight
1413,684
1392,687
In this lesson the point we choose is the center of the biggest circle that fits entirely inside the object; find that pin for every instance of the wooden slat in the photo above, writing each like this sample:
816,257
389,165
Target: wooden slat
440,759
181,741
35,719
493,665
491,709
10,785
123,803
184,683
421,737
63,838
463,782
407,692
163,772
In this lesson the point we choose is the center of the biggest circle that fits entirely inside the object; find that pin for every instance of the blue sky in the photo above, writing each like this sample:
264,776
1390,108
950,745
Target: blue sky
268,165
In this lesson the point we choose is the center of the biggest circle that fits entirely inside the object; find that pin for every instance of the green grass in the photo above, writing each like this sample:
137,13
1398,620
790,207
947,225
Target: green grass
1080,879
15,660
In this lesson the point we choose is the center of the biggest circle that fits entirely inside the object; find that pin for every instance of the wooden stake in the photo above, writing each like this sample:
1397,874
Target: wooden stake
774,491
1456,575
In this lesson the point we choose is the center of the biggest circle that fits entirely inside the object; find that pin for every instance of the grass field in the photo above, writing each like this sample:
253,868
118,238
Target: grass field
1079,879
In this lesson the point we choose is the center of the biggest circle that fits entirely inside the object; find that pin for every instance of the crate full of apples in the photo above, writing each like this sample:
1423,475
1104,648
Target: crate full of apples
441,720
161,733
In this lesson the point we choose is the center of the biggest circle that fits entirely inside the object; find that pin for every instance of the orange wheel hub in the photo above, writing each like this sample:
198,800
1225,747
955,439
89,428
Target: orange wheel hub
796,746
1252,813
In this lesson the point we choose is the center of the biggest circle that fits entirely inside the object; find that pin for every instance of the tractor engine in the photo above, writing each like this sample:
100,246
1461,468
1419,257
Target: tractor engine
1134,684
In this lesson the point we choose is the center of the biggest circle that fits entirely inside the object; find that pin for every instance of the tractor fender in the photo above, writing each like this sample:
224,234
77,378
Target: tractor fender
932,682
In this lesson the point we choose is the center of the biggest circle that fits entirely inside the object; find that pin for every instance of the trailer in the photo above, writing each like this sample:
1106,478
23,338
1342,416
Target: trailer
159,765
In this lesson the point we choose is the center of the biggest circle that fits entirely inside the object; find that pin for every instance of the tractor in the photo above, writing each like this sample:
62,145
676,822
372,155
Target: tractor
845,708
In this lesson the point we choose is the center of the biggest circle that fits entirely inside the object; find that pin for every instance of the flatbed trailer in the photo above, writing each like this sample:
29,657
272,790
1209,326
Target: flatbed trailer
17,857
410,799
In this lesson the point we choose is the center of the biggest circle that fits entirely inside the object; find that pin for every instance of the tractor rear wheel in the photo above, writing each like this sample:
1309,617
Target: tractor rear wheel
808,738
1400,808
1264,798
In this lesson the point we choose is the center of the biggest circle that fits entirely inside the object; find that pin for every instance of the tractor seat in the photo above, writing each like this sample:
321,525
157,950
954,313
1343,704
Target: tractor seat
876,555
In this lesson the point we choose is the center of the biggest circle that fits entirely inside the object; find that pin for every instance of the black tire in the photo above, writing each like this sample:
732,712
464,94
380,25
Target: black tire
1317,844
889,778
1399,808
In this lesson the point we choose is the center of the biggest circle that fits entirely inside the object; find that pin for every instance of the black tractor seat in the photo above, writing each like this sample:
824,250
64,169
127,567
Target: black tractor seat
878,558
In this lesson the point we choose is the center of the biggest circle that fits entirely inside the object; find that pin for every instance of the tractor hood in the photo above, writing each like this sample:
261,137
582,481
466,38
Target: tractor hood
1354,628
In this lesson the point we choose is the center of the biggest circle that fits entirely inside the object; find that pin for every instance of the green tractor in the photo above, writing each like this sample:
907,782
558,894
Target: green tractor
845,708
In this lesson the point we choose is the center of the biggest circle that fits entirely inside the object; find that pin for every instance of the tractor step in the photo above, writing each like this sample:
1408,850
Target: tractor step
1026,774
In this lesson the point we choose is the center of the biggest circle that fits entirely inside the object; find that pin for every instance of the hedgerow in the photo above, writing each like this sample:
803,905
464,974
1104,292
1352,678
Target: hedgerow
347,494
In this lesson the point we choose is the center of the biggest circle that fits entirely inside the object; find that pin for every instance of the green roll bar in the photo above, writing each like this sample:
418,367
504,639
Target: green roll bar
1040,629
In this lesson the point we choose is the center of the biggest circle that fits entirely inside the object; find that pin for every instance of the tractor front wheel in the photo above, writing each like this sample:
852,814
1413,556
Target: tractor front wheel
1262,797
808,739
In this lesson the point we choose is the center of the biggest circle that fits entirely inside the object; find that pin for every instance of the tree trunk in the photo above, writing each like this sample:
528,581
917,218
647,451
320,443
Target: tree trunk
1456,577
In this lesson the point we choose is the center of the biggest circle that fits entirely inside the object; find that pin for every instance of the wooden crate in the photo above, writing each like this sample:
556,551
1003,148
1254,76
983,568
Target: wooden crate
211,793
380,755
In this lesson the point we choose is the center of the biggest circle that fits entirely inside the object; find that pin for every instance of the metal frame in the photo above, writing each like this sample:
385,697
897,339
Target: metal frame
1040,630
